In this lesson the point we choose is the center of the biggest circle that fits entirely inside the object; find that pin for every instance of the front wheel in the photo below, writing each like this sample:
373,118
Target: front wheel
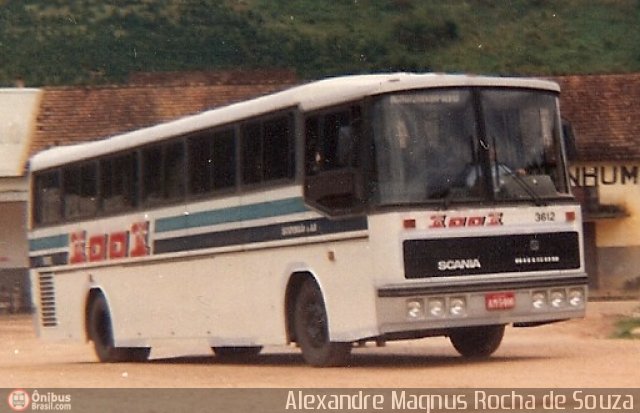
312,329
101,333
478,342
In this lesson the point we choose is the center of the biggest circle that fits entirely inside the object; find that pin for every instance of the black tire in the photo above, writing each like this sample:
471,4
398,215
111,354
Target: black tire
236,353
311,329
477,342
101,333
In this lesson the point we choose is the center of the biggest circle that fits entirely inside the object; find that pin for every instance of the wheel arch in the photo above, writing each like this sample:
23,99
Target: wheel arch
93,293
296,279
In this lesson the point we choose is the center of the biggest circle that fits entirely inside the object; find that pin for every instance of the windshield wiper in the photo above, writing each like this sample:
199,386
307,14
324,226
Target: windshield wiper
528,189
537,199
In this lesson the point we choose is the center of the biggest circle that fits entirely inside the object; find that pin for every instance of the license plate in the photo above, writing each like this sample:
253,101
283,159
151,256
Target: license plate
500,301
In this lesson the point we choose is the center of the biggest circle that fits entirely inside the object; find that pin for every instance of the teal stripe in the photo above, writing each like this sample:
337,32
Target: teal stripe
233,214
48,243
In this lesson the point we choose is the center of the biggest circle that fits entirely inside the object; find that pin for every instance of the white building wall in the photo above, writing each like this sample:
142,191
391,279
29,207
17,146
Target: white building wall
18,113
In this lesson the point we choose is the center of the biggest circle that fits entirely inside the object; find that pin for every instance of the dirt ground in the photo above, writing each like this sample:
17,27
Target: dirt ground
578,353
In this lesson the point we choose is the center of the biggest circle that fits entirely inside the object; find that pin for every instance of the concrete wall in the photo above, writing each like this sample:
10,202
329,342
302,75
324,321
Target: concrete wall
18,112
13,235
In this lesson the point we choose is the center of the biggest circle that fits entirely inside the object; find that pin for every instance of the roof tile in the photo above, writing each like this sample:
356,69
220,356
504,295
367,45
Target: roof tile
603,109
70,115
605,115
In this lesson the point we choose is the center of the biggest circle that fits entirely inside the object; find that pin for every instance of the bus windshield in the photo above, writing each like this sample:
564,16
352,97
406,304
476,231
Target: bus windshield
466,145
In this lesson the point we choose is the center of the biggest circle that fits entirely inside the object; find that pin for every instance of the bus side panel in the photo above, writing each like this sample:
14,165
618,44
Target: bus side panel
59,300
238,298
344,272
201,299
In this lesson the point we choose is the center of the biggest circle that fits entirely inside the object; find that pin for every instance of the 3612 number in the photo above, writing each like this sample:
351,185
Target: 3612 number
545,216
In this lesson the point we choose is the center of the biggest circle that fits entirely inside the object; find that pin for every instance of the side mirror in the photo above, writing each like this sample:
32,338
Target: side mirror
336,192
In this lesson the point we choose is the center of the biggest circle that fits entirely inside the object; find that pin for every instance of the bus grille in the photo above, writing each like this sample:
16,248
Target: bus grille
48,301
460,256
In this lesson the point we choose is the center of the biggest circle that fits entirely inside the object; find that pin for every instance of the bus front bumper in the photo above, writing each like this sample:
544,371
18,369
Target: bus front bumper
439,306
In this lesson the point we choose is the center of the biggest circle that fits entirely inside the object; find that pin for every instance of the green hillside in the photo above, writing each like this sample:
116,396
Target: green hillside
57,42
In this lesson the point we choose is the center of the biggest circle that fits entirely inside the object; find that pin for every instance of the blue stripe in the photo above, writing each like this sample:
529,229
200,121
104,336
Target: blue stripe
48,243
232,214
273,232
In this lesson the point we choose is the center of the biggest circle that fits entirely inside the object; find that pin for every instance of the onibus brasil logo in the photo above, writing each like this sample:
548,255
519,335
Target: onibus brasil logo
19,400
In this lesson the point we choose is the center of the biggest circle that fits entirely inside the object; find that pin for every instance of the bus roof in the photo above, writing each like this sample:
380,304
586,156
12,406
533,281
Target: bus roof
306,97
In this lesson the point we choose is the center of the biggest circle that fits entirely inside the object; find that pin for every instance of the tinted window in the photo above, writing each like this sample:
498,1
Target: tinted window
337,127
163,169
267,150
331,140
312,146
174,169
80,191
252,163
224,160
152,192
118,177
212,162
277,146
200,164
48,201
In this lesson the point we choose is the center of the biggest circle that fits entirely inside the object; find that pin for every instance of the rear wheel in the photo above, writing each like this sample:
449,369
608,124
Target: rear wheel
477,342
101,333
312,330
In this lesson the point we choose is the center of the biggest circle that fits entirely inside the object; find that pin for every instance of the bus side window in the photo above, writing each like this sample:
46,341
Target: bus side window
333,182
174,168
313,154
278,148
337,134
48,198
267,150
201,163
331,140
152,191
80,191
212,161
224,159
252,163
118,178
163,170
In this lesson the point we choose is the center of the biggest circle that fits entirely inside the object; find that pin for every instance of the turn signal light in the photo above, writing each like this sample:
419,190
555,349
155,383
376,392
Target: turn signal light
409,224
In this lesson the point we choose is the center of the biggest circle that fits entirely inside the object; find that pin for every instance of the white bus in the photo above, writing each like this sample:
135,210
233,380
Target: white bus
343,211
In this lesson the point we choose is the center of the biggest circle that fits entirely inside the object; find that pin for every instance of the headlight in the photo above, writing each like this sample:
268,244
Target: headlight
539,300
415,309
576,297
457,306
436,307
558,298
